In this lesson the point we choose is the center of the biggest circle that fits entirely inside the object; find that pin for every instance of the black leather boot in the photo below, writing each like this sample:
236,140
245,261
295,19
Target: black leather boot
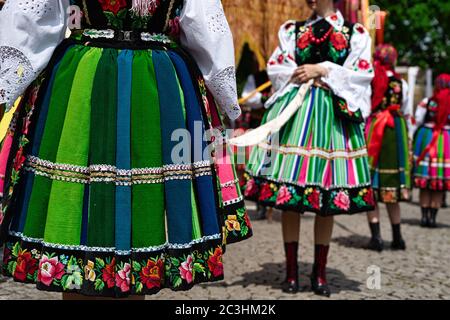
397,240
425,221
433,215
319,284
290,285
376,242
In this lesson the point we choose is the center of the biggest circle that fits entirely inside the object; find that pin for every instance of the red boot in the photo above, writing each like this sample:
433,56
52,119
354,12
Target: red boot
290,285
319,282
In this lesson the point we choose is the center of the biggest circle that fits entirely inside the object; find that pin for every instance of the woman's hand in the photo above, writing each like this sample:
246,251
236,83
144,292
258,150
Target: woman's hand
307,72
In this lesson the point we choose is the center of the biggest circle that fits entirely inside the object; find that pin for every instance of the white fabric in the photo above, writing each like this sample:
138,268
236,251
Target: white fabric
30,30
260,134
205,33
253,102
347,81
421,113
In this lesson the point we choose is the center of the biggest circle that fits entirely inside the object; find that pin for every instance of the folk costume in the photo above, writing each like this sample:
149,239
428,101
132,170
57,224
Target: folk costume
432,145
95,199
389,131
318,161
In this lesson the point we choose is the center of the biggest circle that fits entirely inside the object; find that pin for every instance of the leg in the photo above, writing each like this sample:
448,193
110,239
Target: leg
425,204
376,242
436,204
323,230
394,215
291,235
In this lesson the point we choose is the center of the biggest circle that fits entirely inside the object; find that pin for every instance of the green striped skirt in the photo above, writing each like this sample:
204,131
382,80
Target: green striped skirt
101,199
317,162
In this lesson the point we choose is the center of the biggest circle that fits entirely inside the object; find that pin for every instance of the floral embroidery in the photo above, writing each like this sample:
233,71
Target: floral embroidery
341,200
215,264
304,40
89,273
26,266
152,274
339,41
113,6
283,195
312,198
363,64
186,269
108,274
251,188
365,198
266,192
50,270
232,223
123,277
360,28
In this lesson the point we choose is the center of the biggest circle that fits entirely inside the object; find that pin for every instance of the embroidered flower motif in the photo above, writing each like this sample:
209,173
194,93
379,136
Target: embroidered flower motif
174,27
304,40
123,278
369,197
19,160
89,273
283,196
251,188
314,198
152,273
280,59
338,41
334,17
266,192
26,265
50,269
215,264
109,274
186,269
363,64
359,28
342,200
74,278
113,6
232,223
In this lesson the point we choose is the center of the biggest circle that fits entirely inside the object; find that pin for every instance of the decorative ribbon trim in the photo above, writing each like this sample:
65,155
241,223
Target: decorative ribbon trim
110,34
144,8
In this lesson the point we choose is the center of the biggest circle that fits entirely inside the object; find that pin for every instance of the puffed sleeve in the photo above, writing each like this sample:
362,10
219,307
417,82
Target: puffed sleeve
29,33
206,35
352,81
421,113
407,108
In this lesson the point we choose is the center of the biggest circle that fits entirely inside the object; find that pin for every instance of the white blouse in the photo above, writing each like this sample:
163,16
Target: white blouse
31,30
350,81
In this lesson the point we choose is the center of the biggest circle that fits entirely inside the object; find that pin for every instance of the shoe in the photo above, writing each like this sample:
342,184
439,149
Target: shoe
319,284
376,244
261,214
425,221
433,215
290,286
398,245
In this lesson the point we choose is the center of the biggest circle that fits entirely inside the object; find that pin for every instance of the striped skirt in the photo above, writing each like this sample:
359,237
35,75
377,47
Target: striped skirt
391,176
433,172
101,198
317,162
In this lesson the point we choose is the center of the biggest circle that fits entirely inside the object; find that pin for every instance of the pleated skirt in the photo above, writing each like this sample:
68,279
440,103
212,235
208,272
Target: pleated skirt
391,176
433,172
317,163
108,193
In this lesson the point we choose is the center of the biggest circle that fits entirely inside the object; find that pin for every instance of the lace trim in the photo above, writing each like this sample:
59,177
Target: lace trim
36,7
216,20
223,87
16,73
165,246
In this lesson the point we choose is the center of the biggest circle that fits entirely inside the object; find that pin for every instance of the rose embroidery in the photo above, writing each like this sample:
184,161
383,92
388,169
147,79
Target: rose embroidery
174,27
215,264
266,192
304,41
363,64
108,274
314,199
26,265
338,41
283,196
186,269
49,270
123,278
251,188
152,274
342,201
369,197
113,6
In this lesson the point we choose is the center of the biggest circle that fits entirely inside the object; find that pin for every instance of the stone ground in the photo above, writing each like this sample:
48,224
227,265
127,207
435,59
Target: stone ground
255,268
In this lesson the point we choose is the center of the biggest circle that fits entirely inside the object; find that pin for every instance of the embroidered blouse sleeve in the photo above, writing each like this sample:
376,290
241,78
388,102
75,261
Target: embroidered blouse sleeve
407,108
282,63
29,33
352,80
205,33
421,113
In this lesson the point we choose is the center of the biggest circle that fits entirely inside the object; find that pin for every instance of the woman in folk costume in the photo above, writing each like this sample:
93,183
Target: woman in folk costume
388,130
99,200
320,164
432,150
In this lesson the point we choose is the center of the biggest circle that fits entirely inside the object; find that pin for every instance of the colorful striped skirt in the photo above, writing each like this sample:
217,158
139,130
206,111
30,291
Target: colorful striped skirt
101,198
317,162
391,175
433,172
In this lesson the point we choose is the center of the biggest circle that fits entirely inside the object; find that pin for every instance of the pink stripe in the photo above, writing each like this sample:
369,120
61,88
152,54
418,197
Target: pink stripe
4,155
305,165
446,152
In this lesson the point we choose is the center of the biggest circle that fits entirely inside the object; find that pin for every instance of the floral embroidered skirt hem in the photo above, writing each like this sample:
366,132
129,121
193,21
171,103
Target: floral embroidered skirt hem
391,176
433,172
94,201
317,163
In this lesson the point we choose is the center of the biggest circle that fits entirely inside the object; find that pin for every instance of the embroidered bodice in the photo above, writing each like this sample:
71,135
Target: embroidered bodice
155,16
393,95
322,42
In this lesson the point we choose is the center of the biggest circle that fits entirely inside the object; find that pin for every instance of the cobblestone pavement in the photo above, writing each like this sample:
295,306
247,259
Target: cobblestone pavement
255,268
